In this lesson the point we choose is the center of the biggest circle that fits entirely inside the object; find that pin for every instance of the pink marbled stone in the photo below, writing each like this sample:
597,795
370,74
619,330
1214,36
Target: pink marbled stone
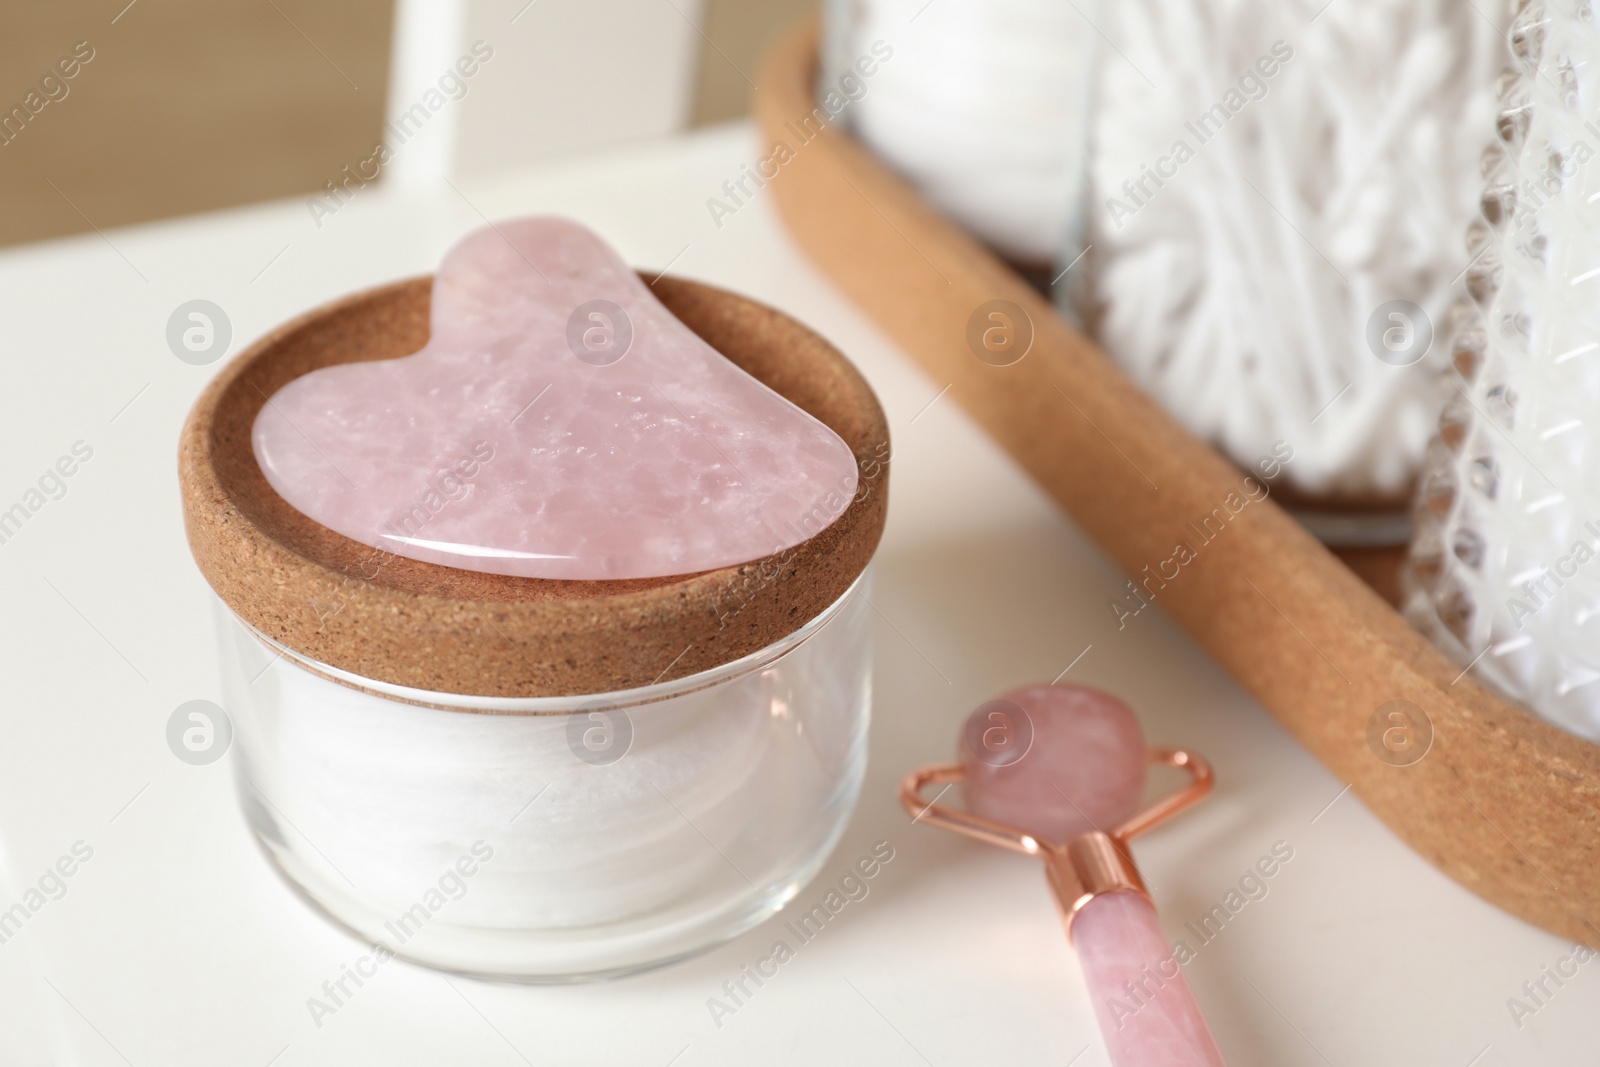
497,448
1055,760
1148,1015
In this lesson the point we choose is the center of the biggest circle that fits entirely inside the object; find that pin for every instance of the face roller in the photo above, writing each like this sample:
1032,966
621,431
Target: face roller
1058,772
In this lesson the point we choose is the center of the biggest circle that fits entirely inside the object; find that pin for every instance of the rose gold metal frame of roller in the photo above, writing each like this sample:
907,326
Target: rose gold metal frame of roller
1088,866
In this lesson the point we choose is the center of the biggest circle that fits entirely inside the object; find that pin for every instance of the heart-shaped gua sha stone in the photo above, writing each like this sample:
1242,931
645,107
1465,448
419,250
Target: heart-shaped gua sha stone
560,423
1055,761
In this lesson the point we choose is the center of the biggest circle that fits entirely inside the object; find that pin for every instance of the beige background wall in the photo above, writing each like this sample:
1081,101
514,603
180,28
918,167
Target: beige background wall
192,105
187,105
742,31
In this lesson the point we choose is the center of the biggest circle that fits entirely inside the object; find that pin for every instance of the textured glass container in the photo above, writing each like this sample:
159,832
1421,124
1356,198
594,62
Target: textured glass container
560,838
1502,573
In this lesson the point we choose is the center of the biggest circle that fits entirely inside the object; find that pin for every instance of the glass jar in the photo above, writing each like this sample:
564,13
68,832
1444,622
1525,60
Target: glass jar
983,105
1500,575
554,838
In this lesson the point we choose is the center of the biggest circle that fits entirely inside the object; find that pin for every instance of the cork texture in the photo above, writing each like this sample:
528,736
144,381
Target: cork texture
441,629
1504,803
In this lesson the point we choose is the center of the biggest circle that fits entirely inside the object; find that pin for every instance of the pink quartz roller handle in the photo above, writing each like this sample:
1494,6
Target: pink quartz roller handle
1148,1016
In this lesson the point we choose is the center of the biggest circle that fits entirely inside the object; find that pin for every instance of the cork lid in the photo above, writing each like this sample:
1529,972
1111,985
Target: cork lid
392,619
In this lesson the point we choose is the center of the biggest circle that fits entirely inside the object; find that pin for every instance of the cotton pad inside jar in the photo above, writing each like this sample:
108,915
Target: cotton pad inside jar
547,655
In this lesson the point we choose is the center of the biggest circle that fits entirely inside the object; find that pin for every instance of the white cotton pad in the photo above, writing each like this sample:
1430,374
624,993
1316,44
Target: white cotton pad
982,105
696,814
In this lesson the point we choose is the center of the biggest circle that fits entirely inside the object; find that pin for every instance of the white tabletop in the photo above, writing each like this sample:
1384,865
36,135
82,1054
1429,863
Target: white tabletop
174,944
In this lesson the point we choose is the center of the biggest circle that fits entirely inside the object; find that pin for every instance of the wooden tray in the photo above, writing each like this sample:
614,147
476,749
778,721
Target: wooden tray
1502,802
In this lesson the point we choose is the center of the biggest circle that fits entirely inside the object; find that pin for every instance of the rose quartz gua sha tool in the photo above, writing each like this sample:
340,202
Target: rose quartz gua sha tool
560,423
1058,772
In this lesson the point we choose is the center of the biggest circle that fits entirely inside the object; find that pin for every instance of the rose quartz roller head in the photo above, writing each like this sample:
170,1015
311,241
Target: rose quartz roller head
1058,772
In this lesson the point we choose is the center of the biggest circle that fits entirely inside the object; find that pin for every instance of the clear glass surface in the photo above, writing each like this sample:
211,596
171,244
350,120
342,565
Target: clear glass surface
554,839
1501,574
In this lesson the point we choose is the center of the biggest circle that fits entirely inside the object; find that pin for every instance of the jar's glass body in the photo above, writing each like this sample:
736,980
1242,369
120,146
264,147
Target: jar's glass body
554,839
